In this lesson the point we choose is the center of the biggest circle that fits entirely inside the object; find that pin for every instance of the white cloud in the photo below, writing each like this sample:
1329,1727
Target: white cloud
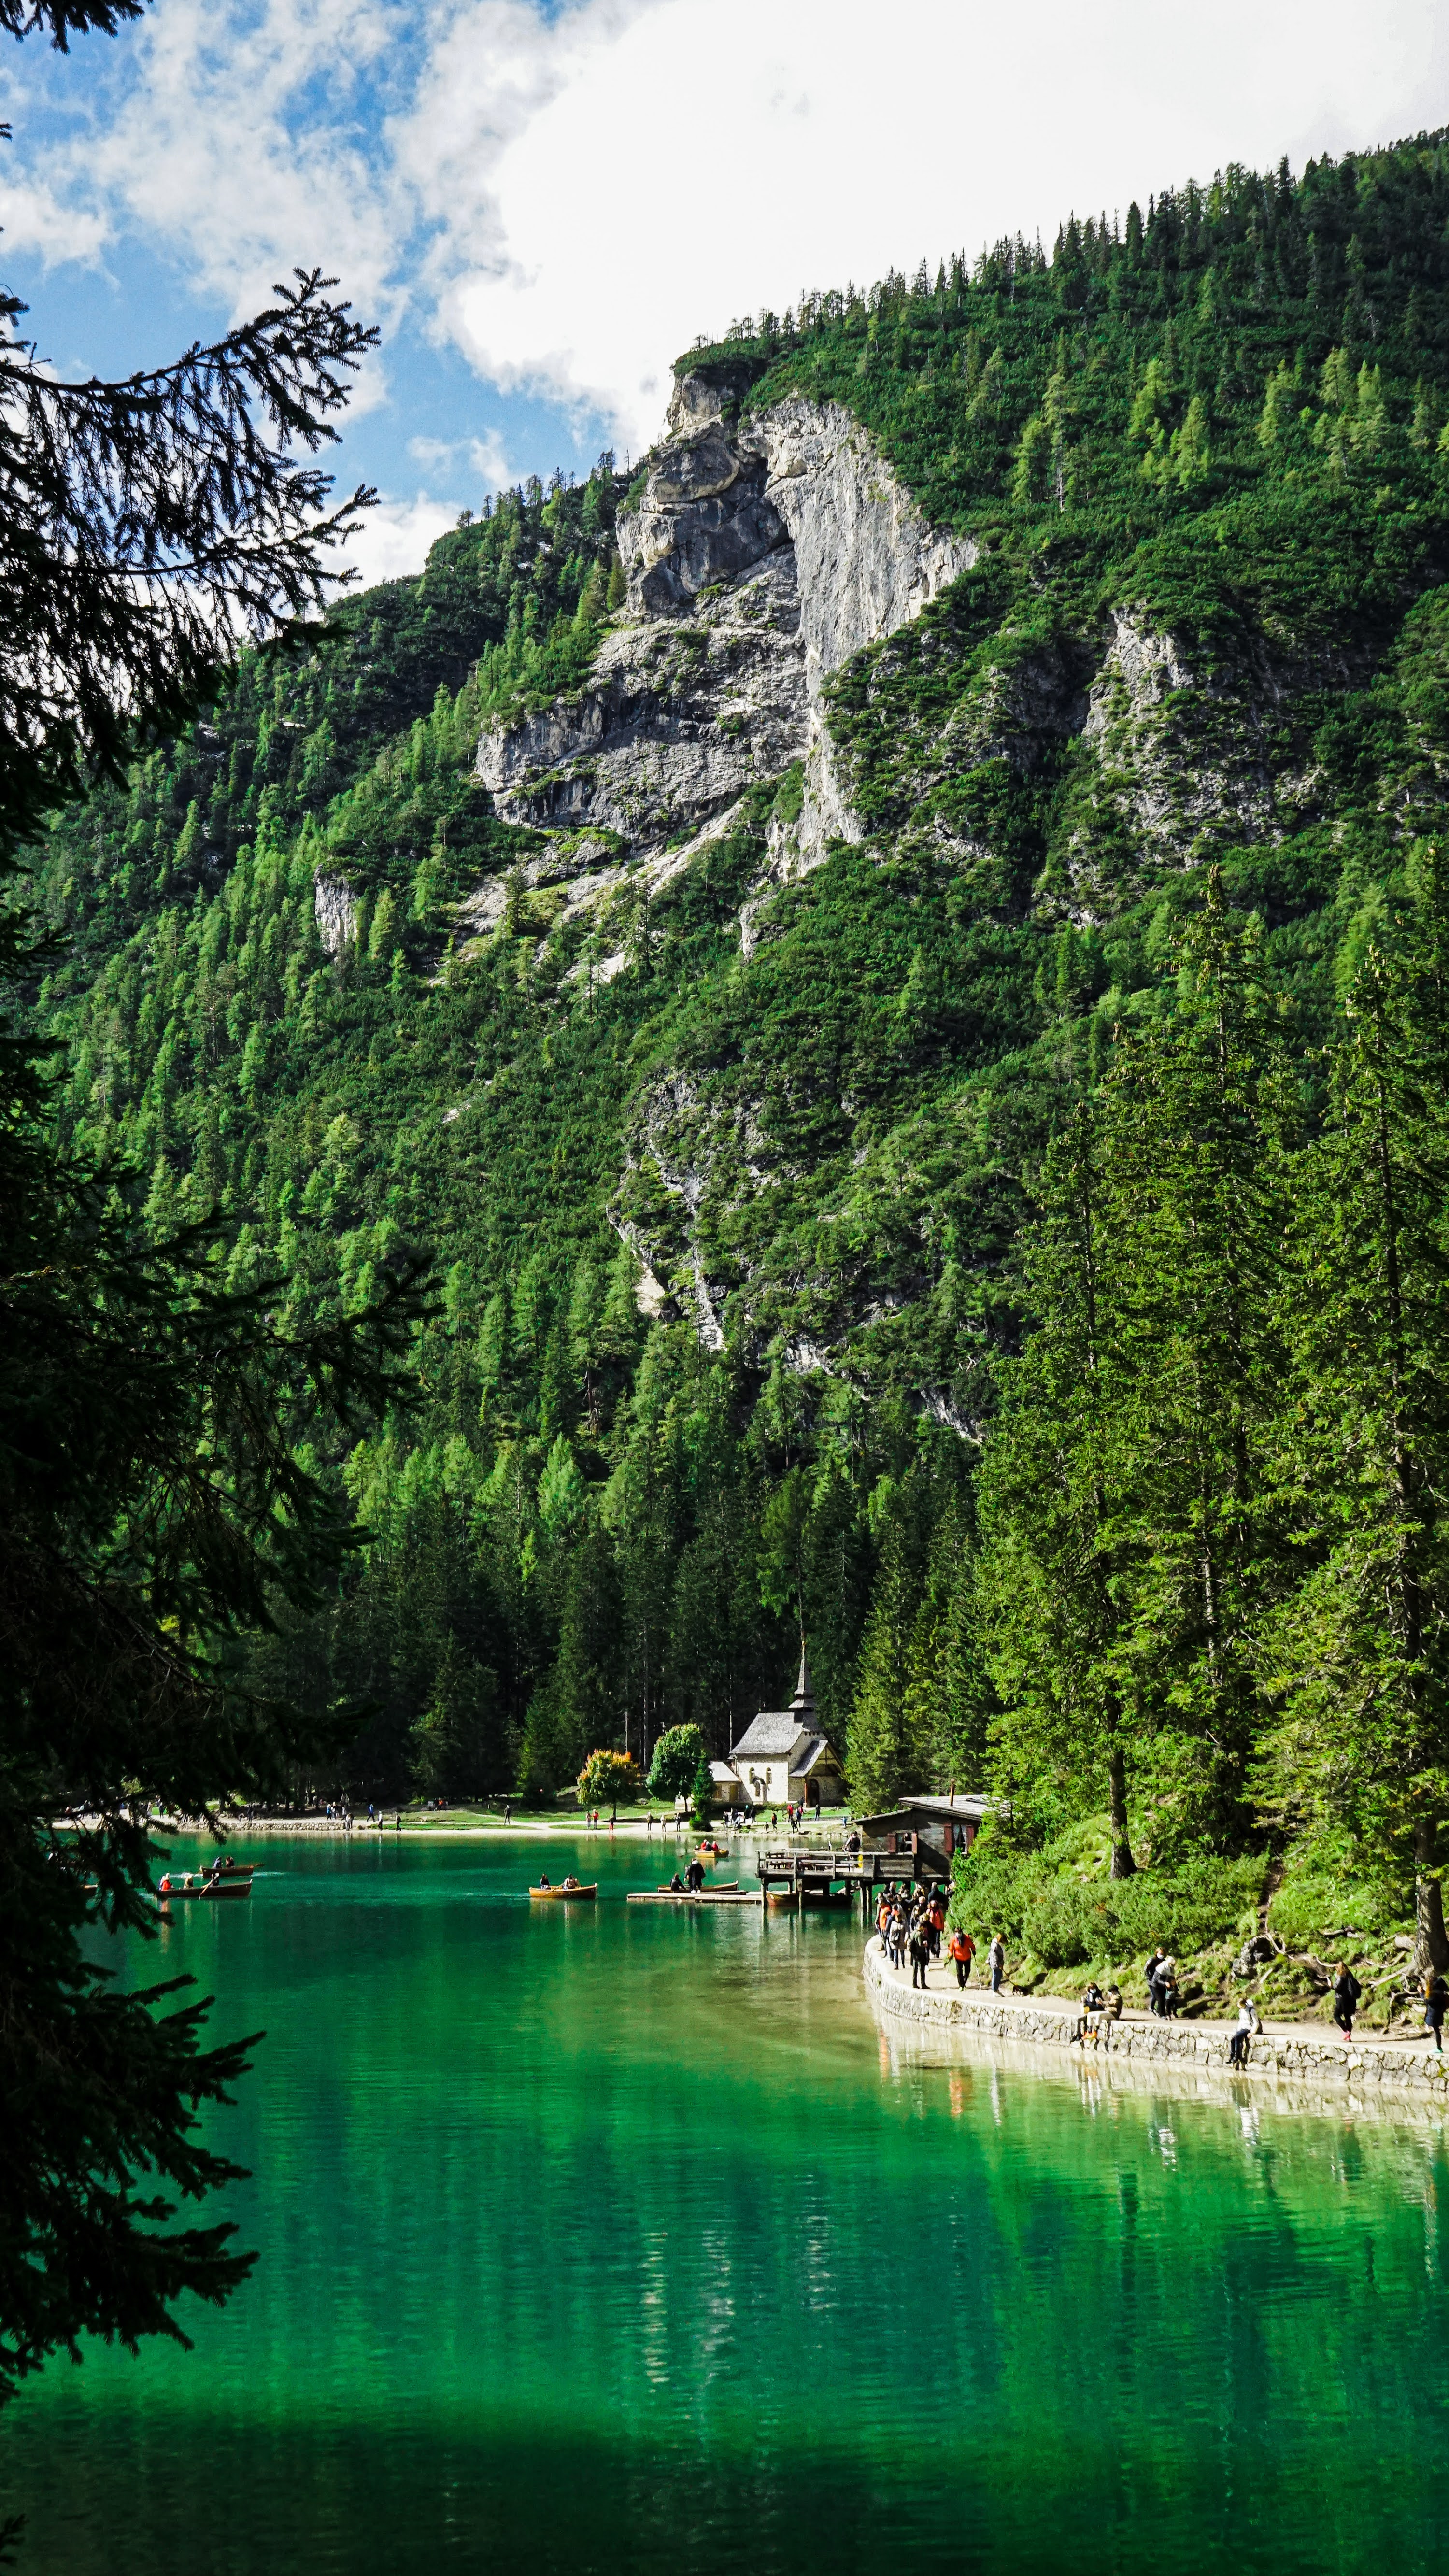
394,538
235,136
36,219
672,171
570,198
486,462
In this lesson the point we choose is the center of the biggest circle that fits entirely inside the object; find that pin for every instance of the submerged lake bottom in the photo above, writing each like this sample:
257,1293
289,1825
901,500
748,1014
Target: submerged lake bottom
611,2237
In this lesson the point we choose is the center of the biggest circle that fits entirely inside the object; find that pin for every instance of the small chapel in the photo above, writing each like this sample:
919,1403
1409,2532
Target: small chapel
782,1759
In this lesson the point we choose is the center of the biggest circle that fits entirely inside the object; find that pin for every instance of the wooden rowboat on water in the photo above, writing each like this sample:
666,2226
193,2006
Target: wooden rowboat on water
569,1894
721,1887
199,1883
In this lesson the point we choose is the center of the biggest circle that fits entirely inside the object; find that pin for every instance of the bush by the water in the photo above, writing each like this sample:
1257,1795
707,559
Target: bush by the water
1059,1904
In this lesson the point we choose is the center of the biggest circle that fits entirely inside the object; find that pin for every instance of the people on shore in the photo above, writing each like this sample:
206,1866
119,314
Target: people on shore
1346,1992
1436,1997
961,1950
996,1961
1248,2028
1150,1974
920,1950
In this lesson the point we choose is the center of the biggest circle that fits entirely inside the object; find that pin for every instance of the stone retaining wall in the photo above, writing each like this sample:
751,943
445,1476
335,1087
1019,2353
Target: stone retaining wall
1048,2021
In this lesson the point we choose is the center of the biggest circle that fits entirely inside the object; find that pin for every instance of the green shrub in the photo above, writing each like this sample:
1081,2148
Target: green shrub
1323,1890
1065,1914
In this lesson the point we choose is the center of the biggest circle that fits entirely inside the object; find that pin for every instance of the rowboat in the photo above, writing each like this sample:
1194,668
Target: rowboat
199,1883
722,1887
569,1894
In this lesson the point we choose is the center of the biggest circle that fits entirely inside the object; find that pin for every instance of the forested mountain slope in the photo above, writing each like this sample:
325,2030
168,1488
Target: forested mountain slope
691,912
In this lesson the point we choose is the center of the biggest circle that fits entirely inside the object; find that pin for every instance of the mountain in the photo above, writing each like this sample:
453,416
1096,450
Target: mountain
691,909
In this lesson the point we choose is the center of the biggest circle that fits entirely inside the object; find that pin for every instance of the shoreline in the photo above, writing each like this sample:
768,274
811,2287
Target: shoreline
239,1829
1373,2068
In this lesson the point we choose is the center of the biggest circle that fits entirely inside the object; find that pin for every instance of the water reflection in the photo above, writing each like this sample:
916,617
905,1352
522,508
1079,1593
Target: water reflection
620,2237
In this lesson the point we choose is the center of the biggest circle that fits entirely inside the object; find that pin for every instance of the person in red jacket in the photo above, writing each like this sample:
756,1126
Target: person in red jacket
962,1949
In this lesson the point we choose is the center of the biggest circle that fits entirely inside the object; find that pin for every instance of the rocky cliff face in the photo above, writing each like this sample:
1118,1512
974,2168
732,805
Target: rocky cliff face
759,560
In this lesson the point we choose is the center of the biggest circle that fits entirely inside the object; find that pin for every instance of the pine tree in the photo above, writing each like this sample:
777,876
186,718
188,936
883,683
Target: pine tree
1127,1540
1358,1656
883,1758
455,1738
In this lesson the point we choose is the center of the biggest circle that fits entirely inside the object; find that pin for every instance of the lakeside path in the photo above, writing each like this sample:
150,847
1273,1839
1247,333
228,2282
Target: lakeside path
1303,2051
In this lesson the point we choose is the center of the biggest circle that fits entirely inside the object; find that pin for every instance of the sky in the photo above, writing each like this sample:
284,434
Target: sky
543,206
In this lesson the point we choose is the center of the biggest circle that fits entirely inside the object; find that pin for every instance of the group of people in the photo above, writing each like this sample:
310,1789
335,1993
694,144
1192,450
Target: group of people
1101,2006
692,1881
913,1925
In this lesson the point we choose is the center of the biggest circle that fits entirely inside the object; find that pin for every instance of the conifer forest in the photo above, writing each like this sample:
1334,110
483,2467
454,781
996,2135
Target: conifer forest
1008,1252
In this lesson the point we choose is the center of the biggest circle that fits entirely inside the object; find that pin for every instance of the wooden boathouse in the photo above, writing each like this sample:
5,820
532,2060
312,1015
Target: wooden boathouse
913,1845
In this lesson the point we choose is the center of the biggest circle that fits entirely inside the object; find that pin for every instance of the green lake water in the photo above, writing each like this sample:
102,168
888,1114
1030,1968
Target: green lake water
623,2238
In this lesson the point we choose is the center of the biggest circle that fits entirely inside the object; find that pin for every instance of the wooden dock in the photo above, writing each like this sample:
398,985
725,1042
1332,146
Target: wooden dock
813,1872
706,1896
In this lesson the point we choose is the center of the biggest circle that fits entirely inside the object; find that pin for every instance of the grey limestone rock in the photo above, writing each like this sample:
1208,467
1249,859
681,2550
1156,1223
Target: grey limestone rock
709,393
757,565
335,906
759,560
679,718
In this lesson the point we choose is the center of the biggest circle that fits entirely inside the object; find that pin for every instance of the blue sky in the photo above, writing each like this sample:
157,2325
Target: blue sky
541,207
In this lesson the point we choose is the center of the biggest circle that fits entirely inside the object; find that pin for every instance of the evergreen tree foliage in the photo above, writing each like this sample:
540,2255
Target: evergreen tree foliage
1354,1653
162,1386
1001,1131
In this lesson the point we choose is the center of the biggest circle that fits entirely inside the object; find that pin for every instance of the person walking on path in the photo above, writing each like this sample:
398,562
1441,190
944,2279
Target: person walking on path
962,1949
1249,2028
1346,1993
1436,1997
996,1961
1150,1972
920,1953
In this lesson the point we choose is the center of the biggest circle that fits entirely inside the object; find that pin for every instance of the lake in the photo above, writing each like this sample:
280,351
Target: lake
622,2238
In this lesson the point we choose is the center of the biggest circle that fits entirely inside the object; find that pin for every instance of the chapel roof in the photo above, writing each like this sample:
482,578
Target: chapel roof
776,1731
